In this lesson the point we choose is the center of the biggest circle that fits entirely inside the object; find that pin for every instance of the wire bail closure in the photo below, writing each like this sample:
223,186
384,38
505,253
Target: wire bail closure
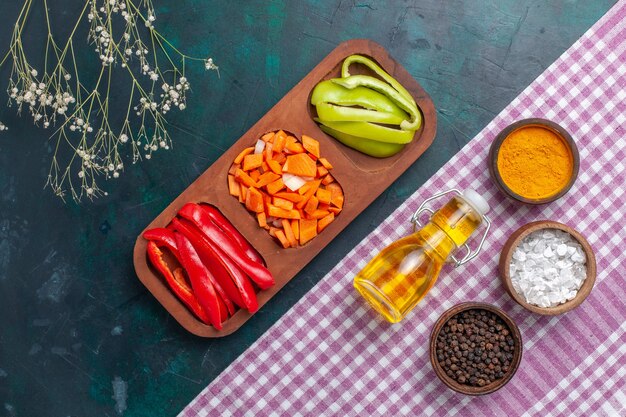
470,254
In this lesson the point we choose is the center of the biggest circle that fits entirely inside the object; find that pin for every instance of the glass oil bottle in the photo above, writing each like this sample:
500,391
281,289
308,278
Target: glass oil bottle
402,273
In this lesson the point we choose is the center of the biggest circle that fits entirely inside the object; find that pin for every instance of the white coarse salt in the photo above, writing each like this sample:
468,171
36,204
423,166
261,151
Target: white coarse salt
548,267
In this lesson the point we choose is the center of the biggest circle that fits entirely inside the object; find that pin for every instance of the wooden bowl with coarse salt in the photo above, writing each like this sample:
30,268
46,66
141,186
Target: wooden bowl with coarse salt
518,237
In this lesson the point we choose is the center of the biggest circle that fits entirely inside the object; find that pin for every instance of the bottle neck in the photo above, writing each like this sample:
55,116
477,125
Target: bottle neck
450,227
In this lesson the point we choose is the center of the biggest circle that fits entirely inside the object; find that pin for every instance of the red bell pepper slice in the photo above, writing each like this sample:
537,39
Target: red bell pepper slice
200,281
257,272
228,228
163,237
236,284
176,281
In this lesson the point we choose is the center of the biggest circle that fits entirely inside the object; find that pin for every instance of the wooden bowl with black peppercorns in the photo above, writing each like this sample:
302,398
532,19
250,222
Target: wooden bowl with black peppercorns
475,348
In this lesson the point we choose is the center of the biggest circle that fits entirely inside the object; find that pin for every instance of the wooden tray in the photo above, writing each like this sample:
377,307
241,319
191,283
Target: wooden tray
362,177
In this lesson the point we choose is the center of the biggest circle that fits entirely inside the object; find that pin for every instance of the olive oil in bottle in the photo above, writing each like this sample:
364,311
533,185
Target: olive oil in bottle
402,273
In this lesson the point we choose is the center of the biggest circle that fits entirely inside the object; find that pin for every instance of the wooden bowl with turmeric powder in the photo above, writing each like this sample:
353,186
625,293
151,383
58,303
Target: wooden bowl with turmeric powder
534,161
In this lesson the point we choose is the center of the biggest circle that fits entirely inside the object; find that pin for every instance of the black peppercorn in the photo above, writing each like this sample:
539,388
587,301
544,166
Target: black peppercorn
475,348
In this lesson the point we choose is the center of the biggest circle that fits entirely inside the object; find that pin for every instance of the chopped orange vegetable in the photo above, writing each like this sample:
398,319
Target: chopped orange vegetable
279,143
328,179
282,213
323,195
233,187
266,178
325,221
282,203
311,205
325,163
318,214
243,153
253,161
308,230
310,192
275,167
300,164
321,172
244,178
289,233
297,216
295,227
293,146
254,201
293,197
262,219
275,186
311,145
268,136
254,174
243,190
282,238
233,169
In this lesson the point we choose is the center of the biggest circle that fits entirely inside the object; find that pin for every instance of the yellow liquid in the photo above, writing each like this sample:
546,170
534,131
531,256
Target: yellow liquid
402,273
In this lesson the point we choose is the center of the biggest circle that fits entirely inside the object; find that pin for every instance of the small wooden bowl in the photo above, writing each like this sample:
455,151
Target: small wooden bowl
507,253
543,123
468,389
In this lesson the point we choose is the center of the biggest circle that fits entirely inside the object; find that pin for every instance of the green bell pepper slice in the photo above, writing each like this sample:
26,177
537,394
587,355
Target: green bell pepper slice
331,113
329,92
371,131
360,59
354,81
369,147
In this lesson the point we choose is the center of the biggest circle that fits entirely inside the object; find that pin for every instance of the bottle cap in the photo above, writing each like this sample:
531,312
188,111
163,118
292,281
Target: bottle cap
477,201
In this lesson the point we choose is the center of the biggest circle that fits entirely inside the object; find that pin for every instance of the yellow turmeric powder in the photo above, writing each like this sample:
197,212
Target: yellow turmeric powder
535,162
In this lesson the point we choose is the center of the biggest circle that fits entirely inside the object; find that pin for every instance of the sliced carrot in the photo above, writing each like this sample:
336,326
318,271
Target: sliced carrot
279,143
319,214
311,145
244,178
268,136
254,200
243,153
328,179
233,169
233,187
282,213
323,195
267,152
254,174
275,186
295,227
335,210
321,172
325,163
253,161
300,164
308,230
266,178
302,190
325,221
243,190
280,235
264,167
280,134
294,147
282,203
289,233
275,166
336,194
293,197
311,205
273,231
262,220
280,158
310,192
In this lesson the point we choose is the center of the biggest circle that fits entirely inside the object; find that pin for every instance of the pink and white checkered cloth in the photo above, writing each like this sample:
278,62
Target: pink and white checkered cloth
332,355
